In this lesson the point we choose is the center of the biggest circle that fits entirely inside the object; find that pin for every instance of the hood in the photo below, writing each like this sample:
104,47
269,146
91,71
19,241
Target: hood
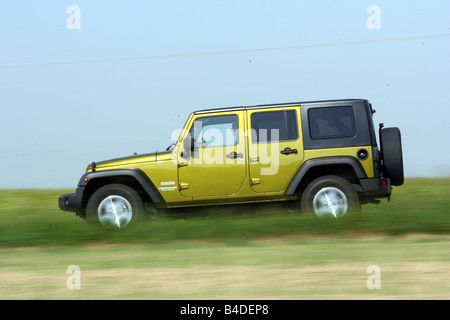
131,160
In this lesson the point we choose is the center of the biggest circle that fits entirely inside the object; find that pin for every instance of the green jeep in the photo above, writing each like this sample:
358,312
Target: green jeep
322,156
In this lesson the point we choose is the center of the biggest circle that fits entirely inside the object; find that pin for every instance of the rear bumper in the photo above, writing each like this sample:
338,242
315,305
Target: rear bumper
376,187
72,202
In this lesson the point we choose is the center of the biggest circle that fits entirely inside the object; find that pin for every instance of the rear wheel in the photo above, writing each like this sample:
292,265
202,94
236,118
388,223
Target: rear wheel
114,205
330,196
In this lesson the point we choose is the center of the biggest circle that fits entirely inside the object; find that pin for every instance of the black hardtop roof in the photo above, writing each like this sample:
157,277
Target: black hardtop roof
275,105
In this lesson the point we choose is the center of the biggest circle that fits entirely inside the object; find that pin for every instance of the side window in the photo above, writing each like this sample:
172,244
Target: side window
331,123
274,126
216,131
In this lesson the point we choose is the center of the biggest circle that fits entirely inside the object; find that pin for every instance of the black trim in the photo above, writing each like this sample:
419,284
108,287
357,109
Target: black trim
372,187
71,202
309,164
280,105
137,174
372,132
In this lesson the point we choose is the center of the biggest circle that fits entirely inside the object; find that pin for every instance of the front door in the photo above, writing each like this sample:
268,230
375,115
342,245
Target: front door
217,165
275,148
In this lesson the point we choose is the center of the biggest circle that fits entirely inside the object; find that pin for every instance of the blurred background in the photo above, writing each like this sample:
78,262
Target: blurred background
84,81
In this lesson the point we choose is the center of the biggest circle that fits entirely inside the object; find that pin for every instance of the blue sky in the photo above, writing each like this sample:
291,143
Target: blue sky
134,70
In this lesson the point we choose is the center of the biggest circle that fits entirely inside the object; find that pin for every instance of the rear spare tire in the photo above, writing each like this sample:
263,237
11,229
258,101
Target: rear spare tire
392,156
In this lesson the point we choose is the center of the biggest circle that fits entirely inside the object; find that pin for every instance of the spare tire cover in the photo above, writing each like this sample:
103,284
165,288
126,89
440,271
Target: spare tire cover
392,156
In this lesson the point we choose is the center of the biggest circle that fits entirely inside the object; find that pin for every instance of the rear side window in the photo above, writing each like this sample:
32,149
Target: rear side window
331,123
274,126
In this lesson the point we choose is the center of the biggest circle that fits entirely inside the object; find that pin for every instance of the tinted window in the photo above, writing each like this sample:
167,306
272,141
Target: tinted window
331,123
274,126
215,131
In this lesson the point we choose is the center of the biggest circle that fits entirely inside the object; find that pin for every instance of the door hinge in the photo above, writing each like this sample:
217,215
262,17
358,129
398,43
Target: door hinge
184,185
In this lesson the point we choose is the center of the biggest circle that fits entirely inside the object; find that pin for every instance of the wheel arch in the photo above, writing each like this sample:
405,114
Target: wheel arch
346,167
133,178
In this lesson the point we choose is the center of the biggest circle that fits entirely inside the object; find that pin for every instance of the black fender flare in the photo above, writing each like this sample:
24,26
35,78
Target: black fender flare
313,163
137,174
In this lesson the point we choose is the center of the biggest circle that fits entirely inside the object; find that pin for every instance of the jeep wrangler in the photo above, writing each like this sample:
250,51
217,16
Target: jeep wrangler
322,155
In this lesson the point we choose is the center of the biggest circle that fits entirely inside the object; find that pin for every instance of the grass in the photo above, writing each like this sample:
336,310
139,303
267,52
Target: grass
410,268
234,254
32,218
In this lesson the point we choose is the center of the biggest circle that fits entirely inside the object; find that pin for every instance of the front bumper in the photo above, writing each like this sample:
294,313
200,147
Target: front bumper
73,201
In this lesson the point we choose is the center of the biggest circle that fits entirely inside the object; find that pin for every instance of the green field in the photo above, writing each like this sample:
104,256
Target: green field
232,253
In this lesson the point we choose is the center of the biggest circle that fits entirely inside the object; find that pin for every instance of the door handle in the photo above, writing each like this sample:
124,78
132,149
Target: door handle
289,151
234,155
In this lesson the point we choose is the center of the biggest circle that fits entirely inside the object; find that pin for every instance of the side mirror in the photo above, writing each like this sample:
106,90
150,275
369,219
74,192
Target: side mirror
188,147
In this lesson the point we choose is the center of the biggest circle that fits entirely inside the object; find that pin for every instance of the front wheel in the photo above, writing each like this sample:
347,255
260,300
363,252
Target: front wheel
114,205
330,196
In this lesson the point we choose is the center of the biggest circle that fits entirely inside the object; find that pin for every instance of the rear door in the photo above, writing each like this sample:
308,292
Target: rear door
275,147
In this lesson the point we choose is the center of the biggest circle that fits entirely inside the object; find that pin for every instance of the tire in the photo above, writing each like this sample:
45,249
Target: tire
392,155
114,205
330,196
